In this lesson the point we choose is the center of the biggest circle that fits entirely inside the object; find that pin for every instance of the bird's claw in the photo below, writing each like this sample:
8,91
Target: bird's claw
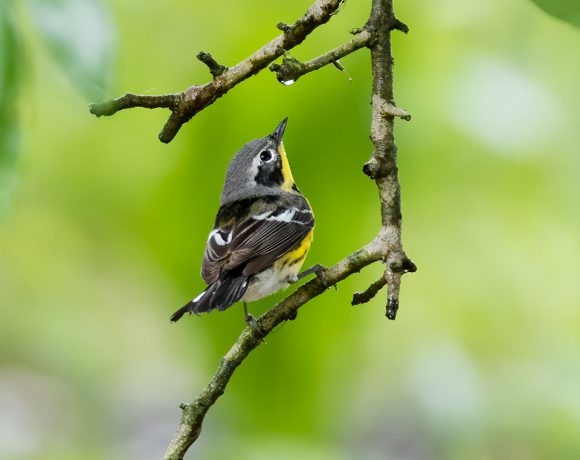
318,270
251,321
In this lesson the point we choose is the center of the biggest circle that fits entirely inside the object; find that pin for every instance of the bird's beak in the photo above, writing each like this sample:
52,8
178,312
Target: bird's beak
279,131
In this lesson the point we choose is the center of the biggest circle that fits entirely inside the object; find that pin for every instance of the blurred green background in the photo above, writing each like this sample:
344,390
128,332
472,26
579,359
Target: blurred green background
103,229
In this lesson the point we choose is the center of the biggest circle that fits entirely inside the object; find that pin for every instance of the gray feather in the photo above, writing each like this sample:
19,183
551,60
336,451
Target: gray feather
239,183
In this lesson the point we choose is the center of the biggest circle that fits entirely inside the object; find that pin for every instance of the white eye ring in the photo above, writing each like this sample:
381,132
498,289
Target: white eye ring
266,156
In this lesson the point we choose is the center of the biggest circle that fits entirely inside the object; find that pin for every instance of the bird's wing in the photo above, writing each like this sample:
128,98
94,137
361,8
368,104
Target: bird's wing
256,242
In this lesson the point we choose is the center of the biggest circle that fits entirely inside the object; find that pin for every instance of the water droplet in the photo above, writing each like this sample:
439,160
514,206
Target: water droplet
287,82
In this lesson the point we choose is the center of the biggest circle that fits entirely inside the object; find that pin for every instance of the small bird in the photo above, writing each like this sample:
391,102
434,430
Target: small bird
262,232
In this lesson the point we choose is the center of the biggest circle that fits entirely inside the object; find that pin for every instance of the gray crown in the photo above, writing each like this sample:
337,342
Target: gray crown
240,183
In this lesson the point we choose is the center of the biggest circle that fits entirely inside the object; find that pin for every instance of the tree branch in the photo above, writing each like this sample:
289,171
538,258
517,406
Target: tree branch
194,413
371,291
387,246
291,69
214,68
185,104
390,109
382,167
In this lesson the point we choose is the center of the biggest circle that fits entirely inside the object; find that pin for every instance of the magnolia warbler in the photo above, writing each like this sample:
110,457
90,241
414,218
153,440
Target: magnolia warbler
262,232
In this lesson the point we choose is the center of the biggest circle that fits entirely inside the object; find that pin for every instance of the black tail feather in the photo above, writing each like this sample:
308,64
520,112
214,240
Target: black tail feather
179,313
220,295
229,292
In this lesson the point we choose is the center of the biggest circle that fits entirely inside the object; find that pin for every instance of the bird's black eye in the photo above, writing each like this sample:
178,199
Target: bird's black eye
265,156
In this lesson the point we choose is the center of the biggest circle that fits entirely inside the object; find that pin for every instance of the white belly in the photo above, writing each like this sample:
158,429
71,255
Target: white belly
270,281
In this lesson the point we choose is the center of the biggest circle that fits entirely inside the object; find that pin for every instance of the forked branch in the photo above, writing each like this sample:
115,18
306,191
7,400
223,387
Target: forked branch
185,104
387,246
194,413
381,167
292,69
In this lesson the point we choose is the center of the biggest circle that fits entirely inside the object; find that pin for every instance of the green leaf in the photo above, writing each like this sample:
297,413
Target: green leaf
9,82
80,36
566,10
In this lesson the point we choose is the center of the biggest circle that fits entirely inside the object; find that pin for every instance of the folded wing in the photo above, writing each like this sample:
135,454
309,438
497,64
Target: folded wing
255,243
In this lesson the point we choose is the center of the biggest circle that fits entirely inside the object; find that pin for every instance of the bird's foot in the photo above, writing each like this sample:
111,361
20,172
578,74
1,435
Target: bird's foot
318,270
251,321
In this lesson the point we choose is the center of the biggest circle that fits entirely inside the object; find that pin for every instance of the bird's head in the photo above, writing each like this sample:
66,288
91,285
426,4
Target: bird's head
259,168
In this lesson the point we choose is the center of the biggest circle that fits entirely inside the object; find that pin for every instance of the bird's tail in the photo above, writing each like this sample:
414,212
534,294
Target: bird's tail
220,295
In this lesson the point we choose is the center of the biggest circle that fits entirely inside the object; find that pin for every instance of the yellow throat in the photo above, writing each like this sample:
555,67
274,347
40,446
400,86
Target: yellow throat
286,171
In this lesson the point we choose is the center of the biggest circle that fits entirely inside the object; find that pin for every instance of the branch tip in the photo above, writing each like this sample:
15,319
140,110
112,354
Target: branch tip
398,25
214,68
283,26
292,69
392,308
106,108
367,169
338,65
172,127
376,167
289,71
365,296
409,266
394,111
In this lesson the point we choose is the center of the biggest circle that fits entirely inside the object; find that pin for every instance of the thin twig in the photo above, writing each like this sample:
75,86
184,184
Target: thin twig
112,106
214,68
390,109
382,166
185,104
291,69
369,293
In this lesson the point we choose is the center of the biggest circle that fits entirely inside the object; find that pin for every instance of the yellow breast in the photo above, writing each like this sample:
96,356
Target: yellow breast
281,274
296,256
